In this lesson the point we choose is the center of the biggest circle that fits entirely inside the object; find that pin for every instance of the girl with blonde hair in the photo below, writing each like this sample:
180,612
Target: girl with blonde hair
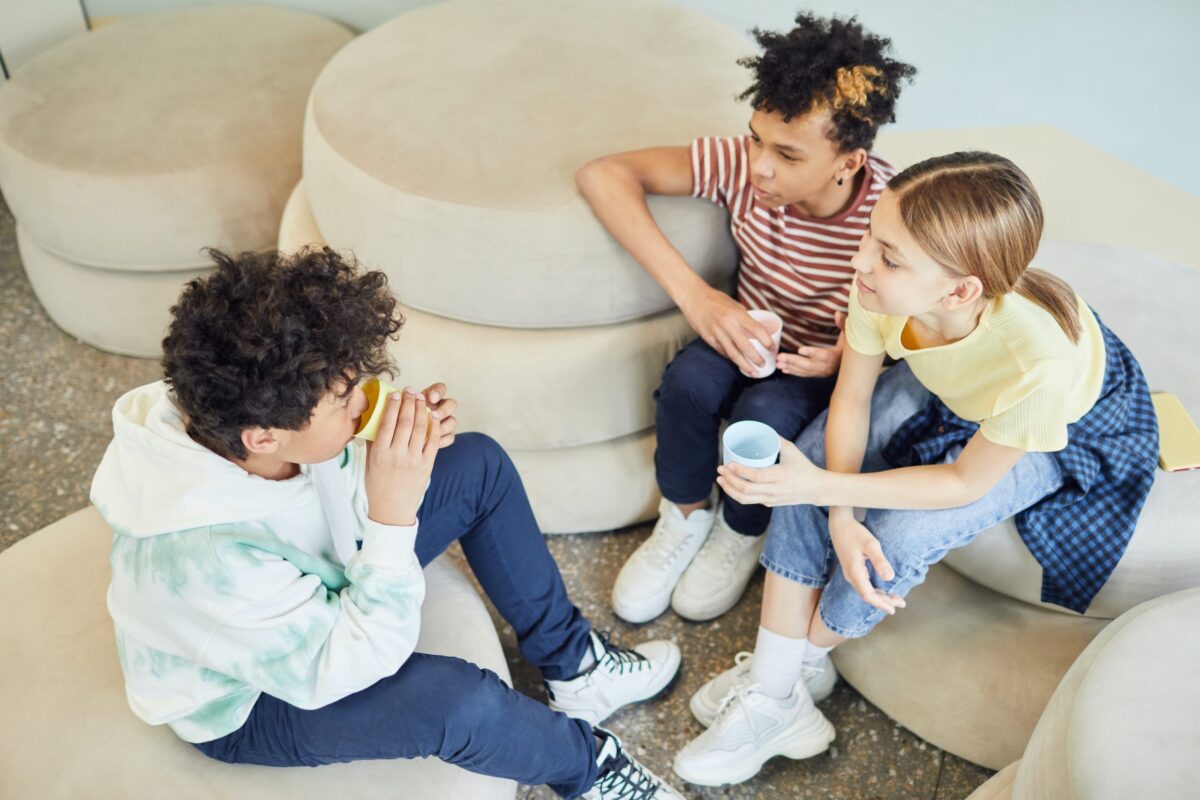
1009,397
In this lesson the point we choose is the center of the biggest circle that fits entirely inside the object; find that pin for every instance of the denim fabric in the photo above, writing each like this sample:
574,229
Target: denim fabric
446,707
700,388
798,546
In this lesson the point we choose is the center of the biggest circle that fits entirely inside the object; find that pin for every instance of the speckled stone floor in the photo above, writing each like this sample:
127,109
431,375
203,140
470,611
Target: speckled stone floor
54,426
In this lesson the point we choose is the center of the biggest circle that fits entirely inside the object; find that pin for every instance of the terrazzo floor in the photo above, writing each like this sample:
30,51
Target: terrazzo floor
54,426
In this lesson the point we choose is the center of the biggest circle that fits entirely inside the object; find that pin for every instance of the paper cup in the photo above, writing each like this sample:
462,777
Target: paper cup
773,323
754,444
377,391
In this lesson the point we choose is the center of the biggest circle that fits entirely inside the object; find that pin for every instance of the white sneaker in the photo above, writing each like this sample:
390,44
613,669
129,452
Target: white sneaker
619,677
621,777
750,728
717,576
643,588
819,679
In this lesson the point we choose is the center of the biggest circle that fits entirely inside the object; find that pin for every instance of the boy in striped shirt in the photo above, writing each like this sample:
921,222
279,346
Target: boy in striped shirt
799,187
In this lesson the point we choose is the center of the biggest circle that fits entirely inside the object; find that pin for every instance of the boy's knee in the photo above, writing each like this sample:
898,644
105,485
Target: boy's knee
690,389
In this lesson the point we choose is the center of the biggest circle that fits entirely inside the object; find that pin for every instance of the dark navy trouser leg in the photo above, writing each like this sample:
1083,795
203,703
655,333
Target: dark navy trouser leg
701,388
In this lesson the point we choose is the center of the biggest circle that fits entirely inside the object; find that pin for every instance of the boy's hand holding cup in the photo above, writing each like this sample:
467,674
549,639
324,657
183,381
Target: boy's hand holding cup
773,323
400,458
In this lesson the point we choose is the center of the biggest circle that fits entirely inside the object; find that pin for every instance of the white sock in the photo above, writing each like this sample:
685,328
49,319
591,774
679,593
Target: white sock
814,654
589,658
777,662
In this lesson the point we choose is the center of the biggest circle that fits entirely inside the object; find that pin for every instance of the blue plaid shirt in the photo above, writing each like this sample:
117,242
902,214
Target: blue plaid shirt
1078,533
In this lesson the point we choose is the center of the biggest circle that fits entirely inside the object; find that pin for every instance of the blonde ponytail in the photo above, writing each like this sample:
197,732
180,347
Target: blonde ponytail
977,214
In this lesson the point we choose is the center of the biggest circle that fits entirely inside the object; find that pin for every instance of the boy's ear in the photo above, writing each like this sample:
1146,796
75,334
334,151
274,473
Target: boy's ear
261,441
853,161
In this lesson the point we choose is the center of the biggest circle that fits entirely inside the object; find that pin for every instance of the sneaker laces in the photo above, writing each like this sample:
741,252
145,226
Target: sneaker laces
626,779
620,658
663,547
724,547
735,699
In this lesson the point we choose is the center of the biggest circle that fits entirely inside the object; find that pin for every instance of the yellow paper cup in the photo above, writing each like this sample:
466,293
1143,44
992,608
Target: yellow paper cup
377,391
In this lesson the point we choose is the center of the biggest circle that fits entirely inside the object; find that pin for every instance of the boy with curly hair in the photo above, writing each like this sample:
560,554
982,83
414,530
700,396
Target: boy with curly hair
799,188
267,566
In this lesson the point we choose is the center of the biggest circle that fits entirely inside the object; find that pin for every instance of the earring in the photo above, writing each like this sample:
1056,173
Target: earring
841,181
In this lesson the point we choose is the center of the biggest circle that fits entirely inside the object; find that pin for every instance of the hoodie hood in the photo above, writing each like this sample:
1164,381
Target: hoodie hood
155,479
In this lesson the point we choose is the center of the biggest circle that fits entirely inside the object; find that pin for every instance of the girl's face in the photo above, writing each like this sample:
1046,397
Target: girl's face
894,275
794,162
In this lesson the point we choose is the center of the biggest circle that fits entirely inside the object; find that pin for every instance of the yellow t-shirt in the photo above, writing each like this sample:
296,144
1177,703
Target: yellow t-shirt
1017,374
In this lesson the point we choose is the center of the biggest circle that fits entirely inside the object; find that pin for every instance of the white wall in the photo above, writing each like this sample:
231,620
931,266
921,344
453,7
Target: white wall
27,27
1122,76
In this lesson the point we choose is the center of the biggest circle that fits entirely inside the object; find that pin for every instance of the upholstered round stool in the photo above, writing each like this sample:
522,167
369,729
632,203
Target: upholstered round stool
442,145
967,669
69,732
125,150
1123,721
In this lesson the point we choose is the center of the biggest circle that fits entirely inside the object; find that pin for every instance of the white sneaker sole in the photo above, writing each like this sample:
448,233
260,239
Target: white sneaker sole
805,743
705,712
661,680
644,611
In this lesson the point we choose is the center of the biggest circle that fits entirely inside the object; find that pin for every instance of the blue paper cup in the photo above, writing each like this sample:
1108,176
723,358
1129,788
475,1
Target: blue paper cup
751,443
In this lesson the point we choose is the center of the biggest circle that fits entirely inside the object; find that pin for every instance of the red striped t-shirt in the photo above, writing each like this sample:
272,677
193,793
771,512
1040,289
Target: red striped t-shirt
797,266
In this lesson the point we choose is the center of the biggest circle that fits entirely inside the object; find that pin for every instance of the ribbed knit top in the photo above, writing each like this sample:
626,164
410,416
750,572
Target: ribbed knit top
1017,374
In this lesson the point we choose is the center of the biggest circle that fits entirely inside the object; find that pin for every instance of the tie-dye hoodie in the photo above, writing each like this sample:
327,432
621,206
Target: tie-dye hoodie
226,585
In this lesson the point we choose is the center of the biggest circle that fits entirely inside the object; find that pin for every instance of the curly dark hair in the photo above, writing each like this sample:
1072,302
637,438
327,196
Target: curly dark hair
260,341
830,63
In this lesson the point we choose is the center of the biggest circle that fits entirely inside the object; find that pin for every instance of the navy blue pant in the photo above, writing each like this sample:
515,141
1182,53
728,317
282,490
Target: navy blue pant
700,388
448,707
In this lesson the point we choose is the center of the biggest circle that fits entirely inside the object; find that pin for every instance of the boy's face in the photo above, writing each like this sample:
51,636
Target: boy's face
793,162
330,428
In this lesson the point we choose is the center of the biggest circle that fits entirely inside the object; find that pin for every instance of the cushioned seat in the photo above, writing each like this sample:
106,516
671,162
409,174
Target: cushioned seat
441,146
596,487
1123,722
125,150
965,668
530,389
69,732
1156,321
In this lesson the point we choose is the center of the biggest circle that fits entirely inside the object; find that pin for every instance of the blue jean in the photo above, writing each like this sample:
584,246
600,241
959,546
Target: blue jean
447,707
798,547
700,388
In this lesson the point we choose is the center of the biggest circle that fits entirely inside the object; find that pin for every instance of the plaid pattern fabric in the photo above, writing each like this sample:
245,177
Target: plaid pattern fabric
1079,533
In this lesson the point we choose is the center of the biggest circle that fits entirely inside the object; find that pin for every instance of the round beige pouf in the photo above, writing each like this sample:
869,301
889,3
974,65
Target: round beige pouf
1155,320
122,311
69,732
1123,722
965,668
597,487
529,389
132,147
442,147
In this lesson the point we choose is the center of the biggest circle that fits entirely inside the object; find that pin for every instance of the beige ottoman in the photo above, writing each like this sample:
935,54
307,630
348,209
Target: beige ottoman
441,147
1157,322
125,150
965,668
69,733
1124,721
